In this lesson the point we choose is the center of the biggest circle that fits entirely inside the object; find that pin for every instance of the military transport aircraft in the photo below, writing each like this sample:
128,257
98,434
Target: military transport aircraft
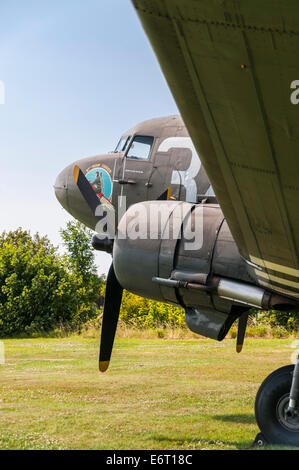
231,66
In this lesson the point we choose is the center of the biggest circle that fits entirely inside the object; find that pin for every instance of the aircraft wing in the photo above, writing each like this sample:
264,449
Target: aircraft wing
232,67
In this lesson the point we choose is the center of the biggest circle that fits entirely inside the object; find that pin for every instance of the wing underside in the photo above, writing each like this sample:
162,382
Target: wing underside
231,66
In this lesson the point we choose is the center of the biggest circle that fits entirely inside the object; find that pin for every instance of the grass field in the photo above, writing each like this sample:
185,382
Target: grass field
157,394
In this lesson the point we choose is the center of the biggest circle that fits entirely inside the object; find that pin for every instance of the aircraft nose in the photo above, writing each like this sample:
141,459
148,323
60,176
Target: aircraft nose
61,188
98,170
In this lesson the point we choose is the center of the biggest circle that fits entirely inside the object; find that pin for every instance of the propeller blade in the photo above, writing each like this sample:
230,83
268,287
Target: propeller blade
242,324
112,305
165,196
85,189
114,290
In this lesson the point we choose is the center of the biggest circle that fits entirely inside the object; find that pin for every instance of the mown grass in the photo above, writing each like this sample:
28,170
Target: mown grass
158,393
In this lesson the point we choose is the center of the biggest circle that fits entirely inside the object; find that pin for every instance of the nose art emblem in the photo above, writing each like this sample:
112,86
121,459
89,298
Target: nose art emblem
99,176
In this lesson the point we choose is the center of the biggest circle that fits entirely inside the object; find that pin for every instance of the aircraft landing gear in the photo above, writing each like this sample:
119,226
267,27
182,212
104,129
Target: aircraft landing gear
277,407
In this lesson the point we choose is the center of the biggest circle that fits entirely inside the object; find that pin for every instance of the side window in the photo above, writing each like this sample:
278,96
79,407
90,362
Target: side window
122,144
140,147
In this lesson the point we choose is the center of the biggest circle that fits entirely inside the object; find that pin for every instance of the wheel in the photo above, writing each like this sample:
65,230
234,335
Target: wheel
271,403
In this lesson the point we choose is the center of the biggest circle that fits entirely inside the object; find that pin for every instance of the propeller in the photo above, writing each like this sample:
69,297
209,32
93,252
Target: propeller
165,196
113,297
243,319
114,290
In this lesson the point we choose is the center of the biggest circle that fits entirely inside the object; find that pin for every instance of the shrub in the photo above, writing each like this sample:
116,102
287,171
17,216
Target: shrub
147,313
286,321
37,289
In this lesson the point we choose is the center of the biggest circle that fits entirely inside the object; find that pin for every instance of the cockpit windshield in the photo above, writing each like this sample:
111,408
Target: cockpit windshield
122,144
140,147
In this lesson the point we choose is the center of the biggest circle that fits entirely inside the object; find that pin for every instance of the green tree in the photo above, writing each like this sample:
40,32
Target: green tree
76,238
38,288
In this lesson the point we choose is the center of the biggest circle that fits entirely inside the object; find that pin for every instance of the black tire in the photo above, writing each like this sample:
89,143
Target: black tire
271,401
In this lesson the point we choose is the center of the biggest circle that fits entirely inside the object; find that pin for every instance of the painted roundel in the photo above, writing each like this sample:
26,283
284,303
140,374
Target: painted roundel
101,182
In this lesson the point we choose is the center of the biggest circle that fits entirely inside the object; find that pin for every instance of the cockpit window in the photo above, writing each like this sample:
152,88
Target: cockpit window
122,144
140,147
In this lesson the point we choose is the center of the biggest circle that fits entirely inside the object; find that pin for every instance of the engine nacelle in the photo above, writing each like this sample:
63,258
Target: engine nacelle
184,254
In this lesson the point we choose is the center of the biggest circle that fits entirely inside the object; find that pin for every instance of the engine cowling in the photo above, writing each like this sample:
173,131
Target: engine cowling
184,254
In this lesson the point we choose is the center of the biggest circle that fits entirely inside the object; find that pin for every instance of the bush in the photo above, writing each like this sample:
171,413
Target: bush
38,291
146,313
283,321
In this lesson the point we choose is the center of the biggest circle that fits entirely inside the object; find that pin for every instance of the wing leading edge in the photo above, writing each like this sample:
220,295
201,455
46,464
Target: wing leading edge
230,66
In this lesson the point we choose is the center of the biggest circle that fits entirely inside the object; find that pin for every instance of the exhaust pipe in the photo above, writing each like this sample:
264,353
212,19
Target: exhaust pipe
254,296
247,294
243,293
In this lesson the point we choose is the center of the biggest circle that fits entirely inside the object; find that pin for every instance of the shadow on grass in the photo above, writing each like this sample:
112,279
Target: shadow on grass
240,418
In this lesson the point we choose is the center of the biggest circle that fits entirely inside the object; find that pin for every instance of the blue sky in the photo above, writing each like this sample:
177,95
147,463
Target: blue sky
76,74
